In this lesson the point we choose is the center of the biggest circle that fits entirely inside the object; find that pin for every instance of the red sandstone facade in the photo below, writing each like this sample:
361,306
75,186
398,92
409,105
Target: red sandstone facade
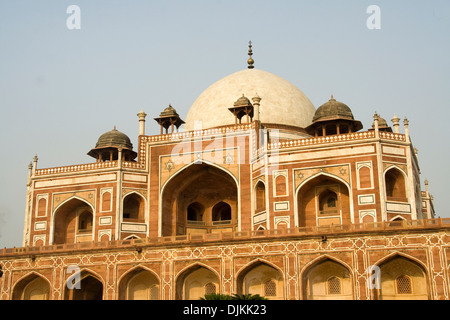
234,209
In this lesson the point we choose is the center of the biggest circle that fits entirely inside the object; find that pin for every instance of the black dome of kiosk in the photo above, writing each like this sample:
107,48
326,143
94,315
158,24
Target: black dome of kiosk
333,117
108,145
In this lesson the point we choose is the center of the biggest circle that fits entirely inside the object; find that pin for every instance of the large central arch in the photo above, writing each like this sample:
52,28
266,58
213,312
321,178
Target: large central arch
323,199
191,199
73,221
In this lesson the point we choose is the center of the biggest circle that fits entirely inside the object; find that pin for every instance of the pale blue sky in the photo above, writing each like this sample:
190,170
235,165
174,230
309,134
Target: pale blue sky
61,89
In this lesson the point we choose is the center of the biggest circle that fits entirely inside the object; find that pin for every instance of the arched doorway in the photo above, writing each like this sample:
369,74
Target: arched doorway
139,284
261,278
323,200
73,222
200,199
327,280
196,282
32,287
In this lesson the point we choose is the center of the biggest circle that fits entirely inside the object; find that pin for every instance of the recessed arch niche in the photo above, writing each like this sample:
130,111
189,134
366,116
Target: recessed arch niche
196,199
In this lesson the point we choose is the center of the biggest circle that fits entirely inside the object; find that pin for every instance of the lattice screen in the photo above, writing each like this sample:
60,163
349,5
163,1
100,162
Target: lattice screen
270,288
404,285
210,288
334,285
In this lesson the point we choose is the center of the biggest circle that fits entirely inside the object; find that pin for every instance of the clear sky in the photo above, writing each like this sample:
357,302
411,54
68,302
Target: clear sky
60,89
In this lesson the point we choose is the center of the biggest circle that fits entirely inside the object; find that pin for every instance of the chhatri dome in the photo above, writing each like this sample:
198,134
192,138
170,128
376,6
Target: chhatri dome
281,101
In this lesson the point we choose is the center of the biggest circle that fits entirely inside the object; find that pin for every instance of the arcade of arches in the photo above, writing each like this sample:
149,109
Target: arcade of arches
326,278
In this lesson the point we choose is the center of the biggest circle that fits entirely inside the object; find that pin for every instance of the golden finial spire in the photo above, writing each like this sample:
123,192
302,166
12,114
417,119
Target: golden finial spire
250,61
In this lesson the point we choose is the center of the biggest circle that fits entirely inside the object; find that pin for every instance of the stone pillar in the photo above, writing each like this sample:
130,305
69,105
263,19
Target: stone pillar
142,116
375,125
396,124
256,103
35,160
406,123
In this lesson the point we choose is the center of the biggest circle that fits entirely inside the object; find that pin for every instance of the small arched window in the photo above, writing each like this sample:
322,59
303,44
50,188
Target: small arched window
395,185
280,185
85,222
365,177
328,202
42,207
195,211
404,285
334,285
106,201
221,212
260,195
133,208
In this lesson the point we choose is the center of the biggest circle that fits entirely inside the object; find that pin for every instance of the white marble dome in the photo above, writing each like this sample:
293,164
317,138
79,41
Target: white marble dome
281,101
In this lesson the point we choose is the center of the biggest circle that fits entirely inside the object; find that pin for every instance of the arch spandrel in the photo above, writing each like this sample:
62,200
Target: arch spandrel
388,165
59,198
170,165
140,192
341,172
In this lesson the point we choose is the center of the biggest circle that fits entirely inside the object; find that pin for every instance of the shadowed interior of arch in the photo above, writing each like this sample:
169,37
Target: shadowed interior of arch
73,222
86,286
139,284
32,287
323,200
197,199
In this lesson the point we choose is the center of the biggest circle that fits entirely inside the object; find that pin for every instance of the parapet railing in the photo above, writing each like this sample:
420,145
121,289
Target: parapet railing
88,167
218,131
335,138
413,225
199,133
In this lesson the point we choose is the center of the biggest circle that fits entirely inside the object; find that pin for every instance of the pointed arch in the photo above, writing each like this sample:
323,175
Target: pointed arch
398,265
134,207
318,174
260,196
316,275
395,181
193,281
197,163
344,215
70,199
65,227
261,277
139,283
221,212
398,254
86,285
132,237
205,183
32,286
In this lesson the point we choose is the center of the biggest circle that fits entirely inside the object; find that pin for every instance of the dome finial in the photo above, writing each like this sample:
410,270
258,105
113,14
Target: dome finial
250,60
